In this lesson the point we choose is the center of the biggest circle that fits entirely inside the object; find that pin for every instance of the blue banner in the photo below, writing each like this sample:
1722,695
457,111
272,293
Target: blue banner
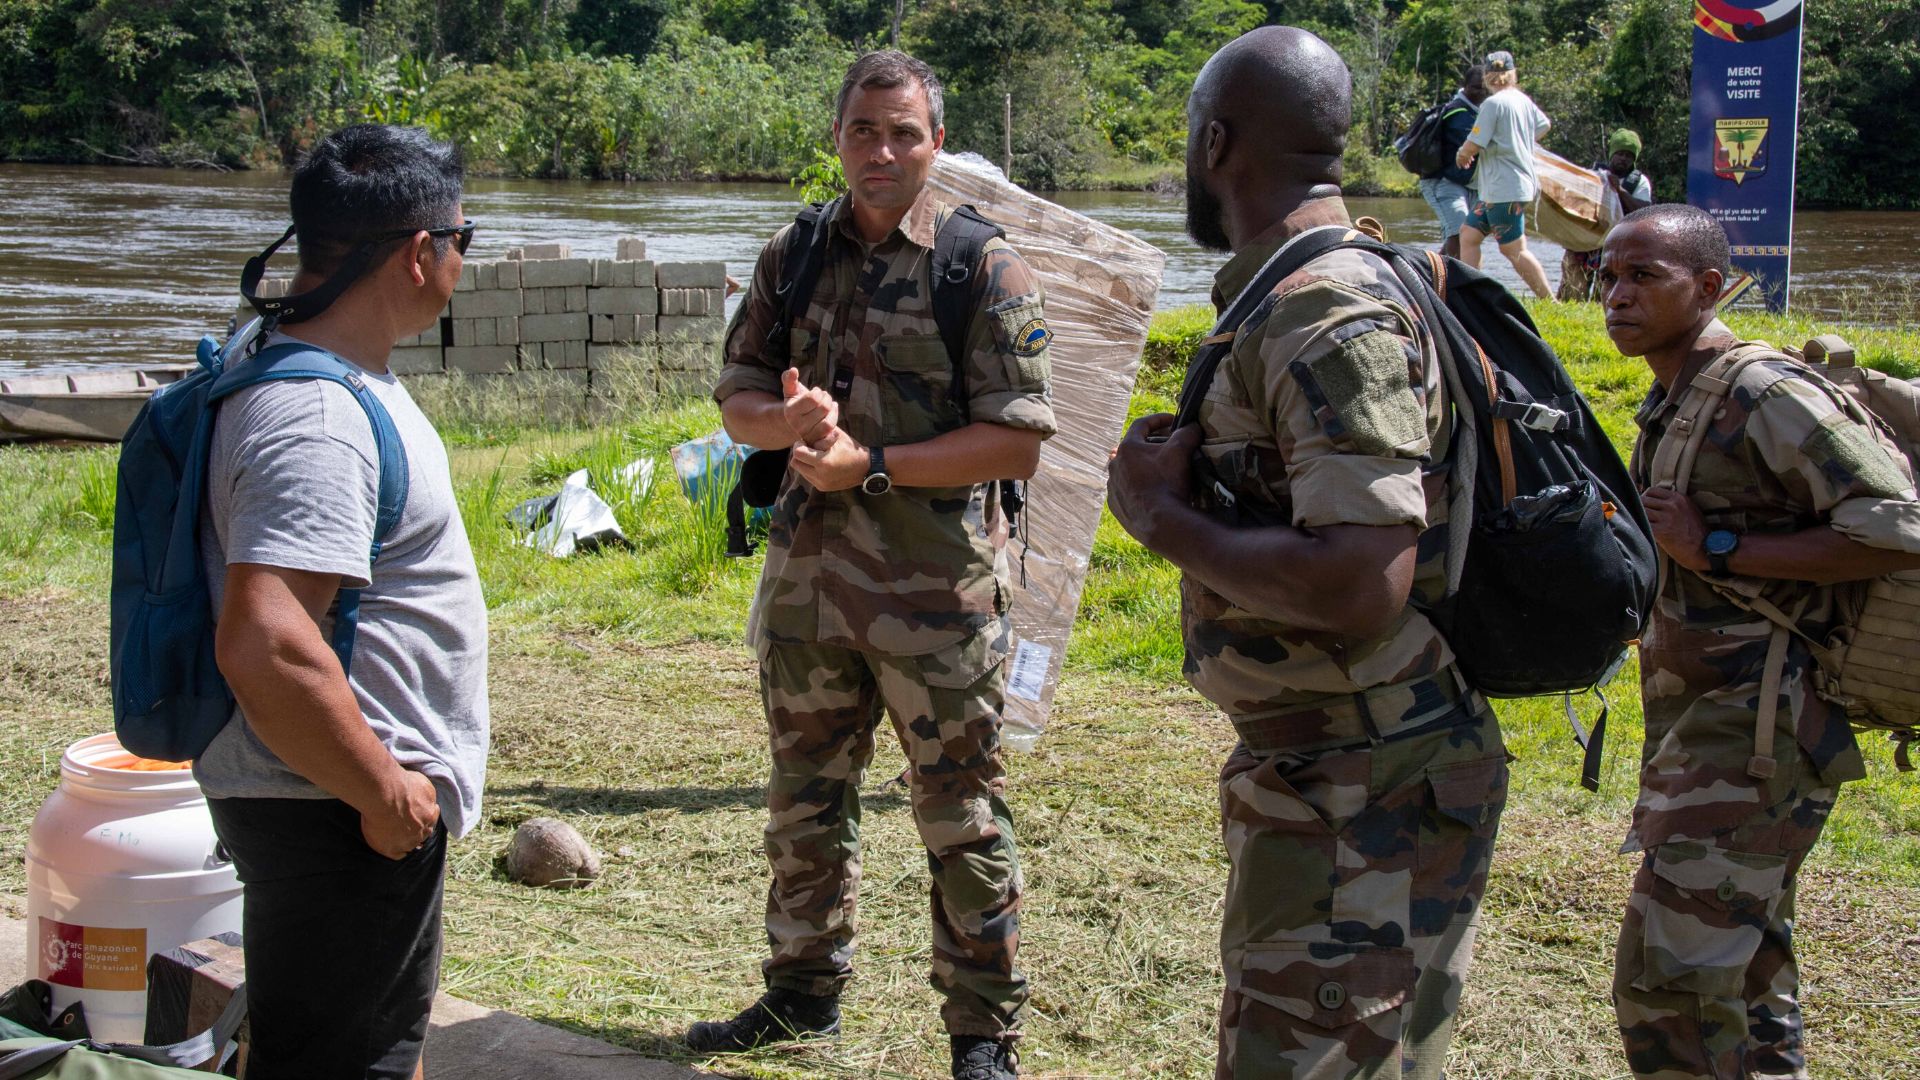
1746,110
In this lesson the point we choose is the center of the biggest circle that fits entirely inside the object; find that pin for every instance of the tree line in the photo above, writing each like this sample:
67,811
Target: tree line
678,89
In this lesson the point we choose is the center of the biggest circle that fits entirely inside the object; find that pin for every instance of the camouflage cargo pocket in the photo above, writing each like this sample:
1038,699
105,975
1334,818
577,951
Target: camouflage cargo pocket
1457,830
1469,796
959,667
916,388
1705,916
1316,1008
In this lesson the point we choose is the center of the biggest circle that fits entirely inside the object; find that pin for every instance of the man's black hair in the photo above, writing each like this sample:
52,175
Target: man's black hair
887,69
1475,71
1697,238
366,180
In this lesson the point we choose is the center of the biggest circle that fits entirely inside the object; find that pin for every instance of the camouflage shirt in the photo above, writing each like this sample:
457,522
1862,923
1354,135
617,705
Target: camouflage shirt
916,570
1329,410
1786,453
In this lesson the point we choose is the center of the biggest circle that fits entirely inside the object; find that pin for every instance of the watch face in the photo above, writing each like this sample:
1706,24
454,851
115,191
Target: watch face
877,484
1722,541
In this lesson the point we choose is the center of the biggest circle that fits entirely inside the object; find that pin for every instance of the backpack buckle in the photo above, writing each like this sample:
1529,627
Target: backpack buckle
1533,415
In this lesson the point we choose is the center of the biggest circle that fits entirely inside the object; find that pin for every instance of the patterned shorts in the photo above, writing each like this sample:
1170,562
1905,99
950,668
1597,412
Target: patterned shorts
1505,221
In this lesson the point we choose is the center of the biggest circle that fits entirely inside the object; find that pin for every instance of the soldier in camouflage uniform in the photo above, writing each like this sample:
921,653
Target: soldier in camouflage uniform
1799,496
1360,807
885,586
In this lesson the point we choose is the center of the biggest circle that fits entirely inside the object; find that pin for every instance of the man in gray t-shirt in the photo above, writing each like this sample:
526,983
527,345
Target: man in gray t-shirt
334,790
1501,149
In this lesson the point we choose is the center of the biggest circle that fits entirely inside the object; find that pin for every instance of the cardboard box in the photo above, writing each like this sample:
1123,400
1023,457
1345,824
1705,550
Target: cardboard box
189,987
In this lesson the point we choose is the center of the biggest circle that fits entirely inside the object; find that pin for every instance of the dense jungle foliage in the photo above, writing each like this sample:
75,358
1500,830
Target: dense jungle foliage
664,89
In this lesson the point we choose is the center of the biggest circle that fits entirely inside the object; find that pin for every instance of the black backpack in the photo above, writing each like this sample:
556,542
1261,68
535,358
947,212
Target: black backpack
957,251
1421,148
1551,571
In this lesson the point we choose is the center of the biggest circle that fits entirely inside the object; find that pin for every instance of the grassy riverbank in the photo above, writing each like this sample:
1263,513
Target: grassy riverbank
624,702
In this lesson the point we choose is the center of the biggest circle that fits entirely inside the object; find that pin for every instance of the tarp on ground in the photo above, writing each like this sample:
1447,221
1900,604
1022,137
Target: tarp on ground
1100,287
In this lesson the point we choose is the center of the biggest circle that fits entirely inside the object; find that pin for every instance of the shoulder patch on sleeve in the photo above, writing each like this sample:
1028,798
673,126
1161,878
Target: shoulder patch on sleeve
1020,329
1363,398
1852,458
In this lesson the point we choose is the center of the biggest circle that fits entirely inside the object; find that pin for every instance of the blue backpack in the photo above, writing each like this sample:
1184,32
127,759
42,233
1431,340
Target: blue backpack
169,698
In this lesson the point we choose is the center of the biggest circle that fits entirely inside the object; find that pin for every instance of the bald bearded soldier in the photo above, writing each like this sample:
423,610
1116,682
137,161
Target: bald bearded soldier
1360,807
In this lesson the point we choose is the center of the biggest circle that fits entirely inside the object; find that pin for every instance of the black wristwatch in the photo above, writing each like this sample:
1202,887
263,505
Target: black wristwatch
1720,543
877,481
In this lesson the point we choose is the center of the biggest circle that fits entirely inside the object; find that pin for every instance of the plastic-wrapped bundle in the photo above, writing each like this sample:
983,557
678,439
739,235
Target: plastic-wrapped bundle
1100,287
1576,208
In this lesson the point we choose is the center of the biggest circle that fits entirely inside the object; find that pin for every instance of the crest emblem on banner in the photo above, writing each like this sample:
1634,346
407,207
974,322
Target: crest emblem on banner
1739,148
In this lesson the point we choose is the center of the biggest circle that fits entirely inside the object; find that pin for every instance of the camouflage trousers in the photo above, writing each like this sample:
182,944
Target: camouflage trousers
823,706
1705,983
1353,901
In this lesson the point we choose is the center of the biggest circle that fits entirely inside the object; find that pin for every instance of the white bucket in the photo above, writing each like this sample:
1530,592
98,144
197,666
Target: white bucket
121,864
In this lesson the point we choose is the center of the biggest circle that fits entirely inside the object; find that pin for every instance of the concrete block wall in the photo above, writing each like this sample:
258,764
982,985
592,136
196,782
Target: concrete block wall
569,338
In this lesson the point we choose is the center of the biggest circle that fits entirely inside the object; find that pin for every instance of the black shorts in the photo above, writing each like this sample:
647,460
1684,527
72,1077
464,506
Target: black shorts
342,944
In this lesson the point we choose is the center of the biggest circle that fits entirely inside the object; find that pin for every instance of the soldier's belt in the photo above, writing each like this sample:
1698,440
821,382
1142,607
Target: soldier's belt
1382,714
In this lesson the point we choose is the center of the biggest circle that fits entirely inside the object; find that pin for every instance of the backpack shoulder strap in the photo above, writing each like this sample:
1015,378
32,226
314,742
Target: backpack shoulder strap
958,250
800,266
1293,255
298,361
1672,465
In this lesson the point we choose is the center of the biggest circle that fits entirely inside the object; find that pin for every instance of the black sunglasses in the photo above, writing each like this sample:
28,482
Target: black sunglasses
462,234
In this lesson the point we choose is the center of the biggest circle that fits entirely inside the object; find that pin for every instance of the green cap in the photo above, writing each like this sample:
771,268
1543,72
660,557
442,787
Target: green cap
1624,139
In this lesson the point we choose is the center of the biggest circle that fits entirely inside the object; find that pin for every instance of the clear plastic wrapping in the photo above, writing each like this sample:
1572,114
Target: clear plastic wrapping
1575,209
1100,286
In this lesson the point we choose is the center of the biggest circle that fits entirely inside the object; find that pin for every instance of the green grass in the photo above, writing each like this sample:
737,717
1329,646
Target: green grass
624,702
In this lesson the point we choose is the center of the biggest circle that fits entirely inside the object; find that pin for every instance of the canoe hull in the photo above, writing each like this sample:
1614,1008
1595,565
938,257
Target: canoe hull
95,405
96,417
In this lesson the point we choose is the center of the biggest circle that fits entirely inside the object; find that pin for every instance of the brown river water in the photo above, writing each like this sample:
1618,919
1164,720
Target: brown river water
110,266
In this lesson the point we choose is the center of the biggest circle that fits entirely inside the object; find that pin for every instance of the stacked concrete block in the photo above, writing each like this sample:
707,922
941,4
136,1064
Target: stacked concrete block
621,329
568,355
692,327
565,326
429,336
549,273
528,332
486,304
481,359
692,275
416,360
691,301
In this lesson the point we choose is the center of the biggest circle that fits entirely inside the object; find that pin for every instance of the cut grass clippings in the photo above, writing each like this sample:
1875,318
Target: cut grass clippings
624,702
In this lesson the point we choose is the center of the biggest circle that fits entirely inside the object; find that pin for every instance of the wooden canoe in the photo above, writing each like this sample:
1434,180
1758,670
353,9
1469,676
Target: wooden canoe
95,405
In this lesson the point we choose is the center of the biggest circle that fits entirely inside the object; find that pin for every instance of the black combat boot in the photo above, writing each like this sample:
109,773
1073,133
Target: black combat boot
981,1057
779,1015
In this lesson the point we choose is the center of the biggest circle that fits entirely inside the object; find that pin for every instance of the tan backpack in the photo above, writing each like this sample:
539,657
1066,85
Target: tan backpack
1870,664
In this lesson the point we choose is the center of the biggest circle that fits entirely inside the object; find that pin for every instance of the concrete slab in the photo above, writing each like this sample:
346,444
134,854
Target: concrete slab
471,1042
13,951
467,1042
